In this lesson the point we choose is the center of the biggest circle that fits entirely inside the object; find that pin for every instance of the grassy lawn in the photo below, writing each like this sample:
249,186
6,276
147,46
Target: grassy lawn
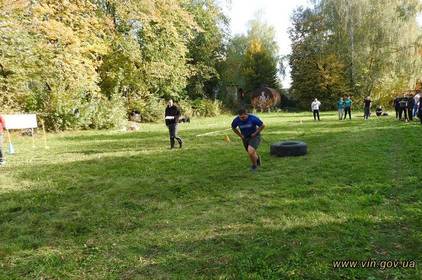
120,205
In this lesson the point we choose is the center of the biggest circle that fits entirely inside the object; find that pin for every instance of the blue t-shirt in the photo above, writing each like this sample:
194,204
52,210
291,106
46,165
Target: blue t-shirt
248,126
348,103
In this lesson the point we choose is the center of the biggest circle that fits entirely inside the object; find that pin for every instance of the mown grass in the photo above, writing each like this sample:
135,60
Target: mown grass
116,205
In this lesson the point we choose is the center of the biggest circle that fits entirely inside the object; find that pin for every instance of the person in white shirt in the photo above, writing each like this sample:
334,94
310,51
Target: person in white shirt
315,108
417,99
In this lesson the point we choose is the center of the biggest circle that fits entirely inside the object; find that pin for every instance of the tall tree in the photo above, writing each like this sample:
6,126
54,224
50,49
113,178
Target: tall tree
207,47
376,42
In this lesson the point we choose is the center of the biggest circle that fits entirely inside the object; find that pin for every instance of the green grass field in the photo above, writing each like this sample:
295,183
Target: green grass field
121,205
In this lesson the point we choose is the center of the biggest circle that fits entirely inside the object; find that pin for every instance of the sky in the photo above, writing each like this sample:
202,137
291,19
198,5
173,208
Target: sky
276,12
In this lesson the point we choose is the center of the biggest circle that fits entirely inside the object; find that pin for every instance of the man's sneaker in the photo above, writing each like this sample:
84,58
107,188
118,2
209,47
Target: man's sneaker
258,161
2,162
180,144
253,168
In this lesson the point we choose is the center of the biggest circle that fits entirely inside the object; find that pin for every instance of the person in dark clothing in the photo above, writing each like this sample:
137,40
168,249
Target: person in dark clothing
410,105
241,98
420,110
380,111
403,108
172,115
367,107
397,107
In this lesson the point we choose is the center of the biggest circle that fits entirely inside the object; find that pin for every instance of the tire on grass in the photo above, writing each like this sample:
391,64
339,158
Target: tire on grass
289,149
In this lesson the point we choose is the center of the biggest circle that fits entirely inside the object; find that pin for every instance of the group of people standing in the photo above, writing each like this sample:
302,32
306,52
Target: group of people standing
344,107
408,107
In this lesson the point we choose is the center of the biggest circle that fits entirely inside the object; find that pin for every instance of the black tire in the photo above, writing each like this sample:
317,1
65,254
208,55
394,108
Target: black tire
289,149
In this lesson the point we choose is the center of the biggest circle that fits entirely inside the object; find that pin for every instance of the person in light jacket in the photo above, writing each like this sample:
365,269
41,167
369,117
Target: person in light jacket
315,108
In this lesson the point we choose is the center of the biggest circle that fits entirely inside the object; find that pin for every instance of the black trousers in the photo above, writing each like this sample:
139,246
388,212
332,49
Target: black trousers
173,134
401,111
410,113
397,113
316,114
347,110
367,112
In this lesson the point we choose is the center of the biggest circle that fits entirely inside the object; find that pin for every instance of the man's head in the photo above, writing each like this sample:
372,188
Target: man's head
243,114
170,102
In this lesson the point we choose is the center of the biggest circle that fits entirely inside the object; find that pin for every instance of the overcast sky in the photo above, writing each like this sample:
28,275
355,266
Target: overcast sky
276,12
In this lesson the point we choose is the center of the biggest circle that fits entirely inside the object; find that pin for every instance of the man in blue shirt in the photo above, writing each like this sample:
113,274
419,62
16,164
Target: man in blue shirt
250,132
348,107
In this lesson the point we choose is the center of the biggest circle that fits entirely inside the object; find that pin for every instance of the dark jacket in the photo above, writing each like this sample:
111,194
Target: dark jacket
172,111
411,103
403,103
396,103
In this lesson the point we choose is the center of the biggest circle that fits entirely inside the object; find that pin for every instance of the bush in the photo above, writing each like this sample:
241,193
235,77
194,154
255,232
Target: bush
151,109
109,114
200,108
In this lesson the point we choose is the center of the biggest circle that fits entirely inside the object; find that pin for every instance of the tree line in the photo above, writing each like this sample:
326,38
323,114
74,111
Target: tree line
90,63
359,48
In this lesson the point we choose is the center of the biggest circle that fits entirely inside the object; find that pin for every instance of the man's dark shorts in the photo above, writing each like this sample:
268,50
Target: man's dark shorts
252,141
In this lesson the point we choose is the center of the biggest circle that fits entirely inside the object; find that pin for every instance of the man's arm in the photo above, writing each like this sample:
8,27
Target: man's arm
235,130
261,128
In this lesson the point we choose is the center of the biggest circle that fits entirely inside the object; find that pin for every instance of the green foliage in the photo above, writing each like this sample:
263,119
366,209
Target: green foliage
252,61
62,57
206,49
316,71
200,107
370,46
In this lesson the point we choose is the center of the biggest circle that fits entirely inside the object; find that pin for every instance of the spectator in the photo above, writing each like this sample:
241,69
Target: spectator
2,126
397,107
410,107
417,100
340,108
315,108
367,107
242,98
403,102
379,111
348,107
420,110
